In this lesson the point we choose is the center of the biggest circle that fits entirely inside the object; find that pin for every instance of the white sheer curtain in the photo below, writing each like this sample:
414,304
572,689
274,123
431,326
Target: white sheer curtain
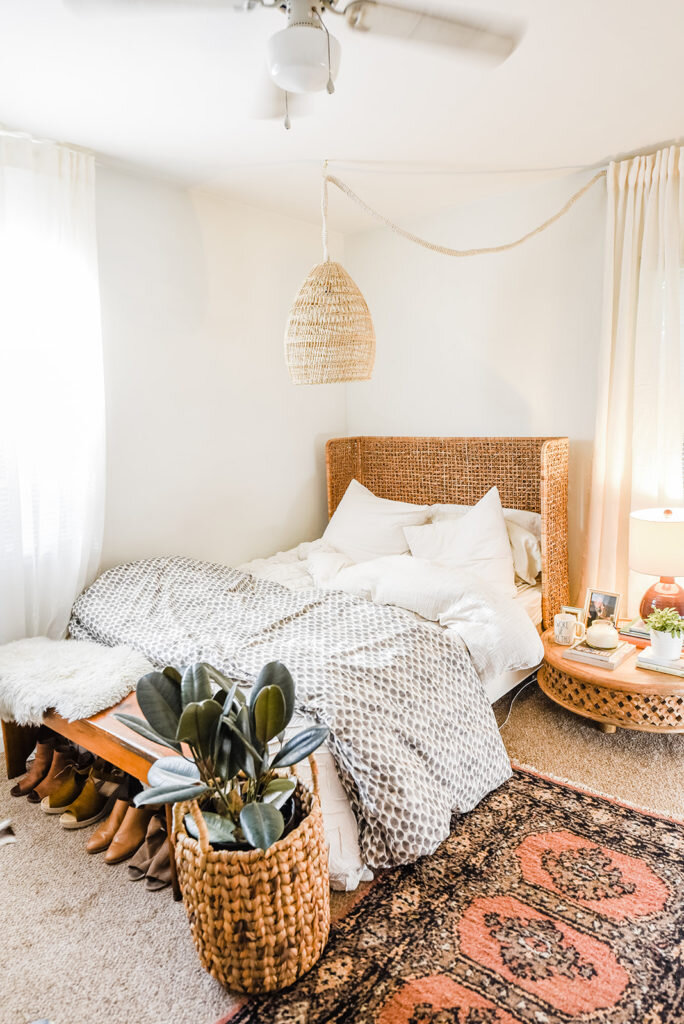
51,386
640,420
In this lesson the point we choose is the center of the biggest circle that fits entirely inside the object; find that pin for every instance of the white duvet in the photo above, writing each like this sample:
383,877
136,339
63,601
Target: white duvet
499,633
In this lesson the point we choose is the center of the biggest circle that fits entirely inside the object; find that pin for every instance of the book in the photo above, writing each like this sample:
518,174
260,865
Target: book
588,655
678,672
636,630
646,660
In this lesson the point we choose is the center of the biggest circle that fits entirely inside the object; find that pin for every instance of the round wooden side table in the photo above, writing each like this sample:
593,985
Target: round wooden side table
627,698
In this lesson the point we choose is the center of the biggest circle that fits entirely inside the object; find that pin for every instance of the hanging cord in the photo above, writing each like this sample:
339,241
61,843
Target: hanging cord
324,211
515,697
443,249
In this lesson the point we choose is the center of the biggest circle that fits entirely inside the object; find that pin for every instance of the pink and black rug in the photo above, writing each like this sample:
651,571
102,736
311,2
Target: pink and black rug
546,905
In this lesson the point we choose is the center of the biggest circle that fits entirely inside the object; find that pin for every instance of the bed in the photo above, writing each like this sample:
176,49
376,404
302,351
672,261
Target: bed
530,474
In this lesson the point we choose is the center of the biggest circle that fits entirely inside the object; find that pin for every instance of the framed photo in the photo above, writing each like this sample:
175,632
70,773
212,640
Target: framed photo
601,605
570,609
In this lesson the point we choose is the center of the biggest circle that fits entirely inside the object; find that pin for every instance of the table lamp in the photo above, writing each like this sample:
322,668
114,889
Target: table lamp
656,548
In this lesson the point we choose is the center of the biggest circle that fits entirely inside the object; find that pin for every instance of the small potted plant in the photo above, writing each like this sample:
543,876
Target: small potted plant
249,841
667,630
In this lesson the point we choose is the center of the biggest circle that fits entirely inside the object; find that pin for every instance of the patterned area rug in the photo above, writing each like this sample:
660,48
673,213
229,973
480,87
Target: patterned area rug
547,905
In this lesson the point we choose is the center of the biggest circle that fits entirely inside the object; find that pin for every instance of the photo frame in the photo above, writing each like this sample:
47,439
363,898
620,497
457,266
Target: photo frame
601,605
571,609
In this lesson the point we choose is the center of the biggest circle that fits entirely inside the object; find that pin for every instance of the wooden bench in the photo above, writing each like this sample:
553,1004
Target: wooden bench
104,737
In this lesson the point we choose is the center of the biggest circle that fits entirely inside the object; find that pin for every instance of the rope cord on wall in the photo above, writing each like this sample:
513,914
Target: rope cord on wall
443,249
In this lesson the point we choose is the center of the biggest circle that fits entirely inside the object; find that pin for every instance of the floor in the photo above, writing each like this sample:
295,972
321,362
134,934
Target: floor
641,768
81,943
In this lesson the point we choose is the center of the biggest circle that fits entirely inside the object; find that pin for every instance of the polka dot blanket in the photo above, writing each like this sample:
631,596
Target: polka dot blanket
411,728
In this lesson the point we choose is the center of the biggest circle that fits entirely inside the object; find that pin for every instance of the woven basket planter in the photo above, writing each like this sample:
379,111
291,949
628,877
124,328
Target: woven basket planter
259,919
329,336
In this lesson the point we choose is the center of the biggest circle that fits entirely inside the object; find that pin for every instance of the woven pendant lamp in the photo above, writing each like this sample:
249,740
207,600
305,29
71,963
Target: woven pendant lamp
329,338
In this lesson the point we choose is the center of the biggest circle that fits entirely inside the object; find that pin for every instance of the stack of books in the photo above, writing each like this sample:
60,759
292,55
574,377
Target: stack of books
636,633
588,655
645,659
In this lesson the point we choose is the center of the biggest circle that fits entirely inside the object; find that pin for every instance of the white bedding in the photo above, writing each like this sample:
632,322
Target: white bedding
314,564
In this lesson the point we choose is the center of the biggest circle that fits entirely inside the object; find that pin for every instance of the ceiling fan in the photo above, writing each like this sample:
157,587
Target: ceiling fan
304,57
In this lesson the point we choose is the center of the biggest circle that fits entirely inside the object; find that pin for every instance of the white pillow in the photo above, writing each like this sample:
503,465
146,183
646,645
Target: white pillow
526,551
365,527
524,534
476,542
528,520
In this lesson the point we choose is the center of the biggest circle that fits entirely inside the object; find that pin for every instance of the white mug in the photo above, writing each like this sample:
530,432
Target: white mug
566,629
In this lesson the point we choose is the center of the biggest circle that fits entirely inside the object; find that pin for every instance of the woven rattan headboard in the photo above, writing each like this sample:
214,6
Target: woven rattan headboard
530,472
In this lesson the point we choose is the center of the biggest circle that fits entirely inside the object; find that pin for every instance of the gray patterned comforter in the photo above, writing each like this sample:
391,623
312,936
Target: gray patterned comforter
411,729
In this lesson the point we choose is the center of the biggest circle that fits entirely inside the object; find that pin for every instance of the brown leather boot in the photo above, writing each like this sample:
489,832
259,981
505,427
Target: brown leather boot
39,768
102,837
130,835
62,758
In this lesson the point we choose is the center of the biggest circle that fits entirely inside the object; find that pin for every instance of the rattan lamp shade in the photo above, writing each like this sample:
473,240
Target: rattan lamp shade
329,336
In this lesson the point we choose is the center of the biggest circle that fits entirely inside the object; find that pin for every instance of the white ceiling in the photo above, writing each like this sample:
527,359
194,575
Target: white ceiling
171,92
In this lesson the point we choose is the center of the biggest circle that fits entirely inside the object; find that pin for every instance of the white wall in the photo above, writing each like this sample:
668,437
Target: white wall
501,344
211,451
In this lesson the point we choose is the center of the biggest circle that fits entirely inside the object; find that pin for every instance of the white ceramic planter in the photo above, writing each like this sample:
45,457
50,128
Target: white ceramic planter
665,646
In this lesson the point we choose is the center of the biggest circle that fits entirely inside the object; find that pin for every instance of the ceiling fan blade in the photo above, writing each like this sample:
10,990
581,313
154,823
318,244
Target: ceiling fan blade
436,29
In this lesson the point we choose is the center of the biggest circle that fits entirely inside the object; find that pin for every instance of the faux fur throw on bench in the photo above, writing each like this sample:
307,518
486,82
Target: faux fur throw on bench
75,677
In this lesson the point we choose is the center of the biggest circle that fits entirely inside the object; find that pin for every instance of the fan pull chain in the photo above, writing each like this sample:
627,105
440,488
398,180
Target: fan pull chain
331,85
443,249
286,121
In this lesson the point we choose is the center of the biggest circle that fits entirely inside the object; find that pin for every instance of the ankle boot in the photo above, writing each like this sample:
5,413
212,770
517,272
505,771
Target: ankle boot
102,837
154,839
71,784
130,835
62,758
39,768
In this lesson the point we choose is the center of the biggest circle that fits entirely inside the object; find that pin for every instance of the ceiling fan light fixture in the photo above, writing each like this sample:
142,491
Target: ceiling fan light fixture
299,60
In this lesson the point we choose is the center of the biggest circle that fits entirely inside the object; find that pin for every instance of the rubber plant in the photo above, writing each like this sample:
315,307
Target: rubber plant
233,768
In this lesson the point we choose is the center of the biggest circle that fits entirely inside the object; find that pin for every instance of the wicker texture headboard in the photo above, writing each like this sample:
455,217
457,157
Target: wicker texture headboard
530,472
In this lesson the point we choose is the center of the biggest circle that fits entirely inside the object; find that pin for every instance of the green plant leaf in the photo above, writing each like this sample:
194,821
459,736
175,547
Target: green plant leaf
261,824
275,674
221,830
172,673
172,770
233,701
169,794
247,756
226,763
142,728
198,724
195,685
268,711
300,746
159,698
219,678
279,791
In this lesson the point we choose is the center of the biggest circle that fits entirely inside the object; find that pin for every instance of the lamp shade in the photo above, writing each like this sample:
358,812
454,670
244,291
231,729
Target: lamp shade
329,336
302,58
656,541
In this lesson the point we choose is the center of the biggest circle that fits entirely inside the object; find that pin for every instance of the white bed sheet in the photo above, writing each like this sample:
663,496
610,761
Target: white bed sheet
347,869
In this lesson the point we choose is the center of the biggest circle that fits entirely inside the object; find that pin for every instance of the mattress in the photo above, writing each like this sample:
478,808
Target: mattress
346,866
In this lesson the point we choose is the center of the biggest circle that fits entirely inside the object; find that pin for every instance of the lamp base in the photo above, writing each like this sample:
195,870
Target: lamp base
664,594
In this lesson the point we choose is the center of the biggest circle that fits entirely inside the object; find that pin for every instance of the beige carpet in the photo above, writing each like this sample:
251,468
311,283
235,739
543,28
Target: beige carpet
82,944
639,767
